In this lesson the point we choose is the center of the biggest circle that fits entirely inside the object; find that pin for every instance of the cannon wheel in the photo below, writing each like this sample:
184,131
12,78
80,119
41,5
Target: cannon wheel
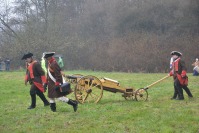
129,97
88,89
141,94
73,82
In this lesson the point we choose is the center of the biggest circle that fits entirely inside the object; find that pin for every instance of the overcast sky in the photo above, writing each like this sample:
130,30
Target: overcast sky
5,3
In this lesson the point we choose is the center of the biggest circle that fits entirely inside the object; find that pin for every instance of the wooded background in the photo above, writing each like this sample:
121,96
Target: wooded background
107,35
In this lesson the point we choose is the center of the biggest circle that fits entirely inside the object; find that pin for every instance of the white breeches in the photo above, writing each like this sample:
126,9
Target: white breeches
63,99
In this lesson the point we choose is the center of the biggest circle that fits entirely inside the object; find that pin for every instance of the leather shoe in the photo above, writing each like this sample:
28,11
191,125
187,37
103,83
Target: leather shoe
46,104
30,107
179,98
190,96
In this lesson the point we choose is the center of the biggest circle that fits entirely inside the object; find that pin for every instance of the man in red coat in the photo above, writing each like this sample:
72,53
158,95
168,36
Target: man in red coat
36,77
179,75
55,80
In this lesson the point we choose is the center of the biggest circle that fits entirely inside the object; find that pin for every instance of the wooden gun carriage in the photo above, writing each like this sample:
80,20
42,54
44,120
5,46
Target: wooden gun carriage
90,88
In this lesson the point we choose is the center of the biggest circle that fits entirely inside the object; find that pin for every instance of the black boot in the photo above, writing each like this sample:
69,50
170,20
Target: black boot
180,97
43,98
53,107
46,104
179,90
74,104
187,91
33,102
174,96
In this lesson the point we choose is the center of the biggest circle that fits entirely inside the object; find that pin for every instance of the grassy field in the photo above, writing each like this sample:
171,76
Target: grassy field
113,114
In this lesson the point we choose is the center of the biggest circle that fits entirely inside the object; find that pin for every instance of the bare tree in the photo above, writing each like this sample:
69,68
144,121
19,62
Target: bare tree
109,35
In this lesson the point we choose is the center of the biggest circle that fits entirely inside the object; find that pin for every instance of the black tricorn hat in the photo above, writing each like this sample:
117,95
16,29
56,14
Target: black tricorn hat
25,56
176,53
48,54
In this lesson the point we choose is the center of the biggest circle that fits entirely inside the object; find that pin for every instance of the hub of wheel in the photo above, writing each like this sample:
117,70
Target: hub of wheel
89,91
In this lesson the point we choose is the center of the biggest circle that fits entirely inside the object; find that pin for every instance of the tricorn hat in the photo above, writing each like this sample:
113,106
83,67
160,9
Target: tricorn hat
25,56
176,53
48,54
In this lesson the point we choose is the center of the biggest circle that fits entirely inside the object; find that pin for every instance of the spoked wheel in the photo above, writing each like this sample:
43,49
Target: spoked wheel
129,94
141,94
129,97
73,81
88,89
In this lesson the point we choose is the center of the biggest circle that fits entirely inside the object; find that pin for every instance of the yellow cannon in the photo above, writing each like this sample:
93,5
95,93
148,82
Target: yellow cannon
90,88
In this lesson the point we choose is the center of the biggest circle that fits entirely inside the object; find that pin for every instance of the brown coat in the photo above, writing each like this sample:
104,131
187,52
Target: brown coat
55,71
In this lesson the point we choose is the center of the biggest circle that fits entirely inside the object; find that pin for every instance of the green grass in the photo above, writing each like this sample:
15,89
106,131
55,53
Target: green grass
113,114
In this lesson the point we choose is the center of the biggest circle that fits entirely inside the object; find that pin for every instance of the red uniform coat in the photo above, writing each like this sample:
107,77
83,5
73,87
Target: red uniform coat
179,71
35,75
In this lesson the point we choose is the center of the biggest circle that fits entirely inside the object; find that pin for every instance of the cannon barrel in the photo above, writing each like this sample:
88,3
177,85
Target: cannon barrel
73,77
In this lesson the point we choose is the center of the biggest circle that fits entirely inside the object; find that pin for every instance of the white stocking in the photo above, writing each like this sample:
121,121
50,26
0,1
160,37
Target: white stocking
63,99
52,100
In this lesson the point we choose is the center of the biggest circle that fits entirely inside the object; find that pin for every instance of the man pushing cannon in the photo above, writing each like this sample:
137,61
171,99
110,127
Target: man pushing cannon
180,77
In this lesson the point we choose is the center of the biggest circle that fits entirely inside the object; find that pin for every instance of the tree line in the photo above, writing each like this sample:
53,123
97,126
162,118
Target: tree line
107,35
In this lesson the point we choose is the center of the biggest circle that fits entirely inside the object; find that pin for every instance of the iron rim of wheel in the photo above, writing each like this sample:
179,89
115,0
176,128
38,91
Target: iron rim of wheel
141,94
88,89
